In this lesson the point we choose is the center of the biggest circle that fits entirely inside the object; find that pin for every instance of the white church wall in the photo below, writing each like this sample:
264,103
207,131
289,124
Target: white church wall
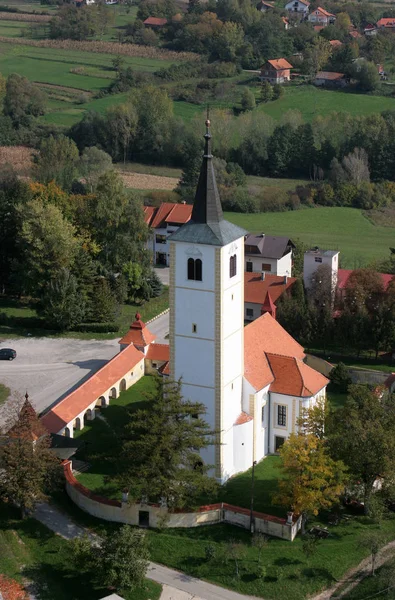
243,436
261,425
195,361
231,402
183,251
199,309
292,413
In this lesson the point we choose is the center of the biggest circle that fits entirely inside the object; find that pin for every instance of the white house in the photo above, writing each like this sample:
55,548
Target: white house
320,16
252,381
314,258
271,254
298,7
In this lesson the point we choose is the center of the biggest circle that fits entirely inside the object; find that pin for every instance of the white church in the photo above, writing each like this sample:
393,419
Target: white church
252,380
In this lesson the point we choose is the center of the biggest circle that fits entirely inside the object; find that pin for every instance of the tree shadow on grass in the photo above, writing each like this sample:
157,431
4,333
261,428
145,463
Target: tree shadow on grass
318,573
286,562
62,582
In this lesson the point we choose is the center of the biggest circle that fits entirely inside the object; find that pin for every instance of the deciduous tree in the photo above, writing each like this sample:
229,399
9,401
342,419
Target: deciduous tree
57,161
312,481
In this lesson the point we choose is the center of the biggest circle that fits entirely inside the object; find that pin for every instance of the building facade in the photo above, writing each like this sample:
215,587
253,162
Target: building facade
276,71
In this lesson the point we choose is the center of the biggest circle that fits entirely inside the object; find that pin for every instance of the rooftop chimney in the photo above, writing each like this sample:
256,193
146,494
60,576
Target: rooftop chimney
285,279
263,276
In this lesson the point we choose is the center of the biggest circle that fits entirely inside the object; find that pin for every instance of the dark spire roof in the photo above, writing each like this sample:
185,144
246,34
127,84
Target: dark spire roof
207,204
207,224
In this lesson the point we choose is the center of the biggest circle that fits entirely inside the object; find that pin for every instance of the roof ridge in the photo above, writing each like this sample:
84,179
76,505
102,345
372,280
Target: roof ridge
304,386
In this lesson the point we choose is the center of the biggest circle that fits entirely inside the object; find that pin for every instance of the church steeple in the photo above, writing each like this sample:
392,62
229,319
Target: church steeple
207,204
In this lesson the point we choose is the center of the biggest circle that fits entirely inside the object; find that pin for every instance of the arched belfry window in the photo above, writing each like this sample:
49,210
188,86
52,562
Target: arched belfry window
232,265
195,269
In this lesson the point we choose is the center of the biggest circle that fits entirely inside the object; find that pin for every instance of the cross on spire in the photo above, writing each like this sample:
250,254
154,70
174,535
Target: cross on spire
207,204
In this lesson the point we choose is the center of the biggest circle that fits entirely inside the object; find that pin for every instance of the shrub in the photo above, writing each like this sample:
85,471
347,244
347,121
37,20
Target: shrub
340,377
239,200
97,327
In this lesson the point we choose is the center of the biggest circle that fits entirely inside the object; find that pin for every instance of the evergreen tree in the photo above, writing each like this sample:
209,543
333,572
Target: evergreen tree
247,100
28,467
267,92
104,306
160,454
62,305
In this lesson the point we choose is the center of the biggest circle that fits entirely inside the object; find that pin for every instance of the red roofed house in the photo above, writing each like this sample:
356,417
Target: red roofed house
320,16
164,221
330,79
261,292
336,44
386,23
343,275
155,22
369,30
276,71
300,7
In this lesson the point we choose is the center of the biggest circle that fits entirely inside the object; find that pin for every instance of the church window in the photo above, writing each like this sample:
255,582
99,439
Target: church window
194,328
232,265
195,269
249,267
281,415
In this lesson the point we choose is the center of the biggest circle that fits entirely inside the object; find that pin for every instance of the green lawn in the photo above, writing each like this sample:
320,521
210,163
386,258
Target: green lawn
18,318
344,229
31,552
101,437
375,587
4,393
312,101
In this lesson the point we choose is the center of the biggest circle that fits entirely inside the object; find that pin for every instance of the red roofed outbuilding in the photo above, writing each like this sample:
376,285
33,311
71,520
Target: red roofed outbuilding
155,22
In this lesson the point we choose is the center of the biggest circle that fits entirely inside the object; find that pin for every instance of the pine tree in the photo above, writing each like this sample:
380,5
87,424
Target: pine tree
161,445
104,305
28,467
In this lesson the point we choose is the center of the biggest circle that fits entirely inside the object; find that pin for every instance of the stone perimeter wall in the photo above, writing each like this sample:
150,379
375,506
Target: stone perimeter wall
123,512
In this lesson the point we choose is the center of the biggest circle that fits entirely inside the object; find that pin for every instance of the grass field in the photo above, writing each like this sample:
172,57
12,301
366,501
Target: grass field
312,101
20,319
344,229
29,552
4,393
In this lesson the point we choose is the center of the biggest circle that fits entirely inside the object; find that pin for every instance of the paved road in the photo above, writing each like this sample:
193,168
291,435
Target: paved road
178,586
50,368
163,274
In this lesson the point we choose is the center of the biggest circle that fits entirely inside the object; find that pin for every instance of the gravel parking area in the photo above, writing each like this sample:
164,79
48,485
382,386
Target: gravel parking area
49,368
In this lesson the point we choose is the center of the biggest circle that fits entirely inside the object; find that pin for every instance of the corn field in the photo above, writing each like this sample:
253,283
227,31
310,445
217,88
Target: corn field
105,48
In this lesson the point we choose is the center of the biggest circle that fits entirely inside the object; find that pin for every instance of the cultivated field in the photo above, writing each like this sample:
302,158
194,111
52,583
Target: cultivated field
140,181
344,229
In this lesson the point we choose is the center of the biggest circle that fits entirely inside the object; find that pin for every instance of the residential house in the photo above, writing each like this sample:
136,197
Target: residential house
263,6
320,16
336,44
330,79
386,23
164,221
155,22
276,71
298,7
262,291
369,30
268,254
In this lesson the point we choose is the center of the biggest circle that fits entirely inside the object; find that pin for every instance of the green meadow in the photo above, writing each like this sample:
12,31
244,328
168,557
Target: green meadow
344,229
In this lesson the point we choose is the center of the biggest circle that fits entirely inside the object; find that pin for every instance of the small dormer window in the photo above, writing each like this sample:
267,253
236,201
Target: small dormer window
195,269
232,265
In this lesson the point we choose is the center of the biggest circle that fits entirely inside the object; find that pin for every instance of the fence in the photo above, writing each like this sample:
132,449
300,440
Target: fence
154,515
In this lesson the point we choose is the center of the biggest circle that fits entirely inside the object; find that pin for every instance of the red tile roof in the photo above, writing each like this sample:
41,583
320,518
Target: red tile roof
180,214
279,64
165,369
335,43
158,21
158,352
90,390
343,276
169,212
329,75
386,22
256,289
260,337
324,12
390,380
243,418
269,306
355,34
293,377
318,28
138,334
149,212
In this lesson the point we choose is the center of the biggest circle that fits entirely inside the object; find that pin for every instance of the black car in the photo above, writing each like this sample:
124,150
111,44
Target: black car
7,354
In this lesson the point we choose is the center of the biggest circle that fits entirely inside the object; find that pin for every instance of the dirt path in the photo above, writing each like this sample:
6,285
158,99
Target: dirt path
355,575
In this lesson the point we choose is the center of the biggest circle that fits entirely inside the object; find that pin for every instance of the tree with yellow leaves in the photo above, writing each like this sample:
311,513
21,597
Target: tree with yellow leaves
312,481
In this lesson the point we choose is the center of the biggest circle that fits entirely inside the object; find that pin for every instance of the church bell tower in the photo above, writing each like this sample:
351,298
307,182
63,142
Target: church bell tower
207,314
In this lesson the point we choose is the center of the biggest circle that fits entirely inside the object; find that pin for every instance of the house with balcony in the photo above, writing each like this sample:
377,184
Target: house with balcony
163,221
320,16
298,7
